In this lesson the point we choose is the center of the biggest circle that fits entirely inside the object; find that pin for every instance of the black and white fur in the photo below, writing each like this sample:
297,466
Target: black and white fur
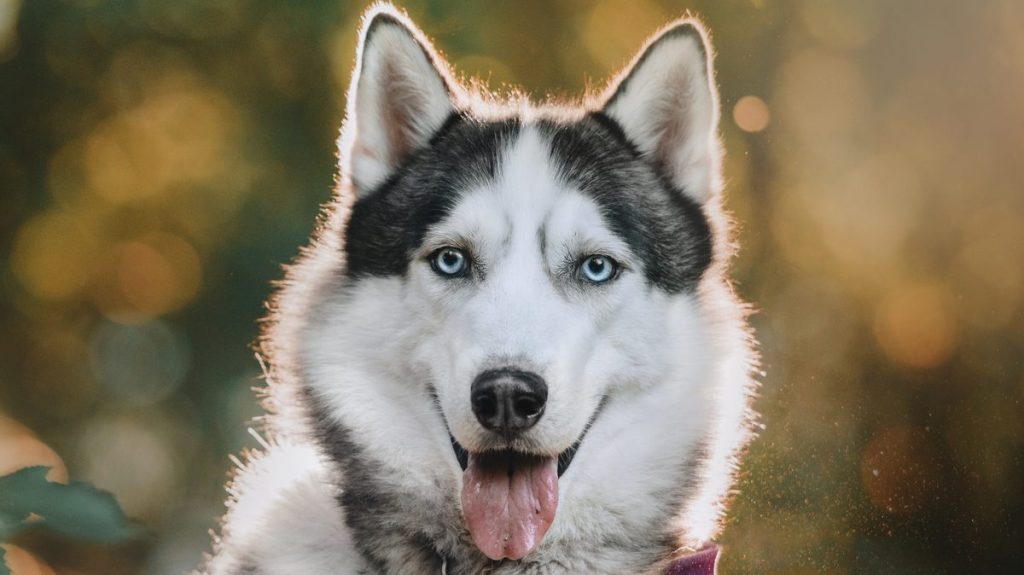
371,353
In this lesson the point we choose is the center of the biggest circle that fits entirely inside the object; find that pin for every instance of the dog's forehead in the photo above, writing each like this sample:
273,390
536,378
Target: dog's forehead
528,197
532,171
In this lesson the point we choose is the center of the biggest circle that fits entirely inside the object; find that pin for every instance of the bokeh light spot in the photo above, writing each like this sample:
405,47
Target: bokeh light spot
915,325
157,274
53,255
837,203
161,275
176,137
134,459
751,114
140,364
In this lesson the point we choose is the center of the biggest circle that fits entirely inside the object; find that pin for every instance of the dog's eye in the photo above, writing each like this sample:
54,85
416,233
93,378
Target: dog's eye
598,269
449,262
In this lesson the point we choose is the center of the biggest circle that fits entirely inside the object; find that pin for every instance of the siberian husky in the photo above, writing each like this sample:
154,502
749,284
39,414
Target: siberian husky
512,346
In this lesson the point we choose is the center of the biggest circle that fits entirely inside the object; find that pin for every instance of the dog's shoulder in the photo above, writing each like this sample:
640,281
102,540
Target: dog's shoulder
283,518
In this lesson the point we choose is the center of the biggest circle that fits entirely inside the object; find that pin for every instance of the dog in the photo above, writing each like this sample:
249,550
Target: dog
512,345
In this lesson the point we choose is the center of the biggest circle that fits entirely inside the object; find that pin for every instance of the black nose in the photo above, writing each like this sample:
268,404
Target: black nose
508,400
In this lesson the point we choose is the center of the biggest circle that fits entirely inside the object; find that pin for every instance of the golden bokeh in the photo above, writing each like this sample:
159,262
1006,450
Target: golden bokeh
174,138
109,446
54,255
916,325
751,114
152,277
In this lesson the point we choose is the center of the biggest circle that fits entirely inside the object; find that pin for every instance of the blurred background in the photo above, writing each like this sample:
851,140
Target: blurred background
160,161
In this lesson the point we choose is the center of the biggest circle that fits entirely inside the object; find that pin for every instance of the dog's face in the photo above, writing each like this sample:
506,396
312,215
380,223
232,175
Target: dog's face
529,279
523,268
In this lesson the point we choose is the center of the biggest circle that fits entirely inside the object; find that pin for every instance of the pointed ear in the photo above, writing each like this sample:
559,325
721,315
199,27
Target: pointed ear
667,105
401,93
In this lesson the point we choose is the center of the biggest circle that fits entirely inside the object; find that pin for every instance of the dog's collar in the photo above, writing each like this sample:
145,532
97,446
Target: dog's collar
703,562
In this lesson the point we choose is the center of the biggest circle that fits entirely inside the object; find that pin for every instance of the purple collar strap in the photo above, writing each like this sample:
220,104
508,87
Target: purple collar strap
702,562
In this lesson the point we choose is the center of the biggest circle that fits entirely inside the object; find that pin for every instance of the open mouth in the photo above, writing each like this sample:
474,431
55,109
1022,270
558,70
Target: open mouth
564,458
509,501
509,498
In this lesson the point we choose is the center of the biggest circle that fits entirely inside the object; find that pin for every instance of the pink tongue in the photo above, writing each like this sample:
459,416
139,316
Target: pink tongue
509,501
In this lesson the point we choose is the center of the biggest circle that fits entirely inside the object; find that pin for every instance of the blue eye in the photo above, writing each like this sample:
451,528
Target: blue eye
598,269
449,262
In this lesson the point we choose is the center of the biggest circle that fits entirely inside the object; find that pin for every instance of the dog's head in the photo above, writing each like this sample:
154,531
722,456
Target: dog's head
522,267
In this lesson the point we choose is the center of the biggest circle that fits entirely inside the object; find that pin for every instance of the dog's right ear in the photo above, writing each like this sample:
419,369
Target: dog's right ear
667,105
400,94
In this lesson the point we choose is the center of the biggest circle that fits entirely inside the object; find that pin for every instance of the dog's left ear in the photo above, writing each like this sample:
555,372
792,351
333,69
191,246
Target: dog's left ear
401,93
667,105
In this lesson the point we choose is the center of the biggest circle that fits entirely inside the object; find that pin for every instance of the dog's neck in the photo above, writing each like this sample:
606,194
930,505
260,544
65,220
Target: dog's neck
702,562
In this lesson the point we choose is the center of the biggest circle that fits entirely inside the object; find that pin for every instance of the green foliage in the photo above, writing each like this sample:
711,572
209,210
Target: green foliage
77,510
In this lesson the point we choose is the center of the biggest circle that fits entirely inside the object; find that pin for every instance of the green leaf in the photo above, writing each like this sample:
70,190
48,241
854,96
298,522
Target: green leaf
18,489
4,570
9,526
77,510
